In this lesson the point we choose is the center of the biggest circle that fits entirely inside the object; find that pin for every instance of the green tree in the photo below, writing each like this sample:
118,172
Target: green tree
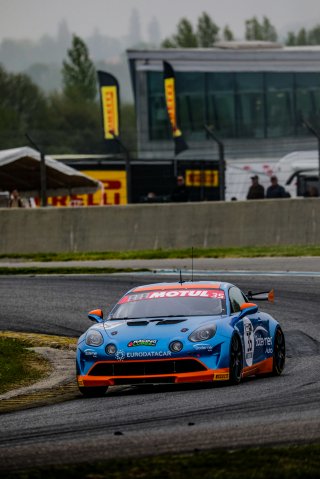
302,37
168,43
264,31
23,108
291,39
314,36
73,126
253,29
184,38
227,34
269,32
78,73
207,31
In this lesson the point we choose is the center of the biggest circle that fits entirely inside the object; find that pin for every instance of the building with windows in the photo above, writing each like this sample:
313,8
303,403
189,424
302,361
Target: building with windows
254,95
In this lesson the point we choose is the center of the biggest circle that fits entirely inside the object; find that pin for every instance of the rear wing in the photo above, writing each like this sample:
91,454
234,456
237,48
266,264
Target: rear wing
262,296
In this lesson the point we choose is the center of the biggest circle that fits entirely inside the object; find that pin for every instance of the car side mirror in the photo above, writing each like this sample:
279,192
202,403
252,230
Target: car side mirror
96,315
247,308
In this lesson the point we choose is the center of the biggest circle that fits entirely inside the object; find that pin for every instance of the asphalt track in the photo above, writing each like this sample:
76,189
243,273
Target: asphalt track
155,419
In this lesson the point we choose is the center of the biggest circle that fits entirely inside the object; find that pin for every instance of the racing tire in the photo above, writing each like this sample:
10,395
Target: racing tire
279,353
92,392
236,360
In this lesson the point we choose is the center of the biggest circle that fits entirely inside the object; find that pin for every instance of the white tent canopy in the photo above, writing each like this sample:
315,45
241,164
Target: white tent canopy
20,169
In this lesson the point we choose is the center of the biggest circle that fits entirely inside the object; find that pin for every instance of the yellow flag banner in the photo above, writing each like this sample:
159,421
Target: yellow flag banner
110,98
110,112
169,88
171,103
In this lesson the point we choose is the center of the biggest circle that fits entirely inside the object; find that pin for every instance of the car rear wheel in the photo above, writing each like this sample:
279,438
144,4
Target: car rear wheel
93,391
236,360
279,353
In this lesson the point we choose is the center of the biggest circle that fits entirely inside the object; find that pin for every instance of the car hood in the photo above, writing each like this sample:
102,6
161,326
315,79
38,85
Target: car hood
148,328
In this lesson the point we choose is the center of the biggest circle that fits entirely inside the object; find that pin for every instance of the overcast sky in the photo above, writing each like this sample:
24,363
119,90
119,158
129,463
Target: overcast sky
30,19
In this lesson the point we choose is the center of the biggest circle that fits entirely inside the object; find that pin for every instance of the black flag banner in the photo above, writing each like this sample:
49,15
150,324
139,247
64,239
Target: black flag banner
109,95
170,95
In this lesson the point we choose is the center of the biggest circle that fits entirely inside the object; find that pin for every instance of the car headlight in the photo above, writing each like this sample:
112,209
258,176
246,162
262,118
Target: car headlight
94,338
203,333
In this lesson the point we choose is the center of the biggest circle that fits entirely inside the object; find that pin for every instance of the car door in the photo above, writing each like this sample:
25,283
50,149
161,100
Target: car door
246,326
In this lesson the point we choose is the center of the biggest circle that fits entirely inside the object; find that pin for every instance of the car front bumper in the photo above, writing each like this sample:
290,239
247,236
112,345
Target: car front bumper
182,370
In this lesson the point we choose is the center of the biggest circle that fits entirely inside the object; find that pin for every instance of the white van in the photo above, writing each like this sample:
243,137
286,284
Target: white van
298,172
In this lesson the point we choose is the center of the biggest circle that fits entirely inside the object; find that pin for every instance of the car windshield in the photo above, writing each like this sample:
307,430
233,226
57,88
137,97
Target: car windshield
170,303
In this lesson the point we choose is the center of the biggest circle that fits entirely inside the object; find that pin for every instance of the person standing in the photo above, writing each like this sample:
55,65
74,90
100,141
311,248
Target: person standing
15,200
180,192
256,191
275,190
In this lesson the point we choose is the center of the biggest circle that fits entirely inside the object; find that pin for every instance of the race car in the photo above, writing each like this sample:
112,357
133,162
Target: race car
181,332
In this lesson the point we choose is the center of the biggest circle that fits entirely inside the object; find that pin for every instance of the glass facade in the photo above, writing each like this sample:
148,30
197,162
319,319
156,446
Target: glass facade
237,105
191,103
307,98
280,104
249,105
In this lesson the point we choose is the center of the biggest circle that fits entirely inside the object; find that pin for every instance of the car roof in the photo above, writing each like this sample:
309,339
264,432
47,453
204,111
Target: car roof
183,285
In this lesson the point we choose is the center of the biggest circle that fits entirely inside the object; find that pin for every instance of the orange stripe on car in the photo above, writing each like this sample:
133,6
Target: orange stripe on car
264,366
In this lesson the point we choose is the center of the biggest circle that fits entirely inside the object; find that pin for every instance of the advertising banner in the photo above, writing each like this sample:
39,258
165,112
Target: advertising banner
113,191
110,98
170,96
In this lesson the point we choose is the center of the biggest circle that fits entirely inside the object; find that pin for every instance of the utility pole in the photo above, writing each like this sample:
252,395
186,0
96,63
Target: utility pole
316,133
222,166
43,174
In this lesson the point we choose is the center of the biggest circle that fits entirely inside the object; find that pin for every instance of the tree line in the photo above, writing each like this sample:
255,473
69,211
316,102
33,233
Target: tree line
207,33
60,122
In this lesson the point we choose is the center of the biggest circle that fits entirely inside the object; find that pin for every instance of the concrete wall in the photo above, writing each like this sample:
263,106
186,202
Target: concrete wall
133,227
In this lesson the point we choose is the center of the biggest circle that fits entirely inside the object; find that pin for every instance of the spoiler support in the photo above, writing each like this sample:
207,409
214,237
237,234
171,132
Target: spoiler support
261,296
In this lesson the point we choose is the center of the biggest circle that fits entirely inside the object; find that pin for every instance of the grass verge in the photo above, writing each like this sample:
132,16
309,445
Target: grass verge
282,462
66,270
36,339
18,365
243,252
45,395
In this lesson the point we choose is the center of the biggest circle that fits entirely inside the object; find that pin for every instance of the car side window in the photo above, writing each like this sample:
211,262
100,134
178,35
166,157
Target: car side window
236,299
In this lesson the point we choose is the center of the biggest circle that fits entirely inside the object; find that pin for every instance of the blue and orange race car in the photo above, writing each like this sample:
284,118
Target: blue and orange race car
179,333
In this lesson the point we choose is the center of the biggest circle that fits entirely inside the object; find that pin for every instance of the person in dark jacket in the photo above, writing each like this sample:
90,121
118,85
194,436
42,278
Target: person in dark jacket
180,192
256,191
275,190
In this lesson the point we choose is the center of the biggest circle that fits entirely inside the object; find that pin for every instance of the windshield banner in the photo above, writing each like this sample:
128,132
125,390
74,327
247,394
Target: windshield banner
189,293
